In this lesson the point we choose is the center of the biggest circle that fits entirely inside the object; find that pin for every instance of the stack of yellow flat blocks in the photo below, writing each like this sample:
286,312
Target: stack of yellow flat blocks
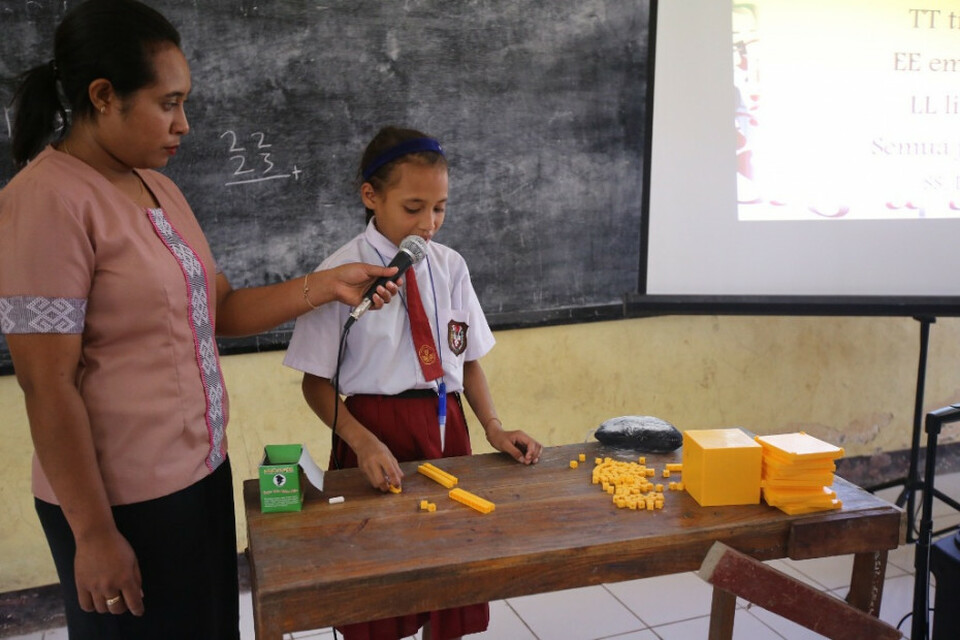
721,467
798,471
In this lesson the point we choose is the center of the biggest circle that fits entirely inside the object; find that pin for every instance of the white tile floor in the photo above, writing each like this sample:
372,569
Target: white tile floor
672,607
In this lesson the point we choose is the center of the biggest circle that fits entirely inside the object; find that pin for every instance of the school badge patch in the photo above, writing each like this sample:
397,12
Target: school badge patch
457,336
427,354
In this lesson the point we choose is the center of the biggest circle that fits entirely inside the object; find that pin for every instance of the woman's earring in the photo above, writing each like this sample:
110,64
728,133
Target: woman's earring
103,109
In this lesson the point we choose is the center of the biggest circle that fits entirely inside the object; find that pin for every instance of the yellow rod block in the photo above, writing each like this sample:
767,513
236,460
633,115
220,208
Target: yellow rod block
437,475
472,501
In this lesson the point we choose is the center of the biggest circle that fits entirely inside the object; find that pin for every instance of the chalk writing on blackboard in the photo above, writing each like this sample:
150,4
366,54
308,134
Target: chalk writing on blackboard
253,165
6,118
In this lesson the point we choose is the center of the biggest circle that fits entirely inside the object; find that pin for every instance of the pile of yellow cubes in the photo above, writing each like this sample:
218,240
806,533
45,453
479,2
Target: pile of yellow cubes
629,483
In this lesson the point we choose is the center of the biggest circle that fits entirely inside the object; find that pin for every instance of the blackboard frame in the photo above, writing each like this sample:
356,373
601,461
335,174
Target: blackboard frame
592,191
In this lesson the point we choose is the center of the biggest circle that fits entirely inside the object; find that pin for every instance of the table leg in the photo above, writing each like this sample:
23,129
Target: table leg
866,581
722,610
265,627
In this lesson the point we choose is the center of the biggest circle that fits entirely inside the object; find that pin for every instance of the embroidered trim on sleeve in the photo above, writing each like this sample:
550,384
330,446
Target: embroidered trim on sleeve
38,314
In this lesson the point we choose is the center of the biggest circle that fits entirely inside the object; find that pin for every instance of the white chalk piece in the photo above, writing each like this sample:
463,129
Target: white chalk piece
335,500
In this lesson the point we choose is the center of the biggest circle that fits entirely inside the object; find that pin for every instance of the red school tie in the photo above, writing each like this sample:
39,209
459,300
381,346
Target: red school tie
420,330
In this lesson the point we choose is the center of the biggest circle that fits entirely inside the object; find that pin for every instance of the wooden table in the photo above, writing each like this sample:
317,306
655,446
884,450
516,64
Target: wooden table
377,555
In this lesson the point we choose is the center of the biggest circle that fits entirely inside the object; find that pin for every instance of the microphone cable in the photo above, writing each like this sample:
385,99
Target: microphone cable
336,411
335,456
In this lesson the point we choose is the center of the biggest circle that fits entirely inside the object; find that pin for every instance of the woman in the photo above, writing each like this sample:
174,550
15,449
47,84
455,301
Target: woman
109,300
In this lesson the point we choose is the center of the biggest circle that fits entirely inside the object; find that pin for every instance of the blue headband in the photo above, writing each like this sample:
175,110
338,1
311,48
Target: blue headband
403,149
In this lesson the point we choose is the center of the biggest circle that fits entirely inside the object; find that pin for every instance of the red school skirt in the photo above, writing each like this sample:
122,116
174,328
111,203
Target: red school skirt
407,424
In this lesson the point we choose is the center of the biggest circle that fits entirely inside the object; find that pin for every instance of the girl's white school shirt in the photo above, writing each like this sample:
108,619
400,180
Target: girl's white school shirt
379,356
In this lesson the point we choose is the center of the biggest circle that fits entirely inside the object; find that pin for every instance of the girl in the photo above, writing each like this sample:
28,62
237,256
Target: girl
400,367
109,300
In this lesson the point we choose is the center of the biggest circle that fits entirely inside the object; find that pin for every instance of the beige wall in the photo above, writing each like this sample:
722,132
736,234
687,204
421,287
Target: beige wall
850,381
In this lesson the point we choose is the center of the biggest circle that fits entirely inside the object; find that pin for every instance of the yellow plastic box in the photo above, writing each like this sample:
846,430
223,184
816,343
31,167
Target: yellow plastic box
721,467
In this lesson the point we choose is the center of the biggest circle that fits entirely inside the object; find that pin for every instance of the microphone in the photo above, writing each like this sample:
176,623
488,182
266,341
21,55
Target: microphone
412,250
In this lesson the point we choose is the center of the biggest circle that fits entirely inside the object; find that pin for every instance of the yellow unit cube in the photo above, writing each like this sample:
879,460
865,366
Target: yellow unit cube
721,467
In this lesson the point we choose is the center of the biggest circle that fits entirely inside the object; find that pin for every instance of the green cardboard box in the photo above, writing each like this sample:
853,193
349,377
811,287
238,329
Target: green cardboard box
284,470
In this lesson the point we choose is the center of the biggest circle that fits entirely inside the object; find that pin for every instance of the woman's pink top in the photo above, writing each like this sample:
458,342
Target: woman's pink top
79,257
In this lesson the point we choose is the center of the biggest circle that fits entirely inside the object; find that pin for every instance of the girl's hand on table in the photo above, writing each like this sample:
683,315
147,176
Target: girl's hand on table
379,465
517,444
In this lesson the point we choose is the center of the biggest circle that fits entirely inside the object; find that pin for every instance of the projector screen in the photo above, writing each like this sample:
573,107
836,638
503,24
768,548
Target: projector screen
805,148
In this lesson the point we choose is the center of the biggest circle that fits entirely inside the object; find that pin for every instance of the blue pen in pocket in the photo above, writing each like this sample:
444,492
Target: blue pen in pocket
442,412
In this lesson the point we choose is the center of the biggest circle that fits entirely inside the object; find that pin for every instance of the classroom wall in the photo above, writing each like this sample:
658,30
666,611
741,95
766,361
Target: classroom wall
850,381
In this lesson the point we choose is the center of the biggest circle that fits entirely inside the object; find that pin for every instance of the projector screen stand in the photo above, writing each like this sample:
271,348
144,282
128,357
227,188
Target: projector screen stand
912,482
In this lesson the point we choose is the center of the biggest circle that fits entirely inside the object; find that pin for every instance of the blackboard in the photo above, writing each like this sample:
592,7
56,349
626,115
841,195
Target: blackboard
541,106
